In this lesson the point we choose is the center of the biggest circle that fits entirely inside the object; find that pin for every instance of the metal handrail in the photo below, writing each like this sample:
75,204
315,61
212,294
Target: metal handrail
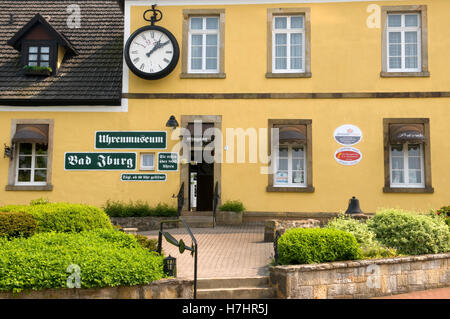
193,249
215,202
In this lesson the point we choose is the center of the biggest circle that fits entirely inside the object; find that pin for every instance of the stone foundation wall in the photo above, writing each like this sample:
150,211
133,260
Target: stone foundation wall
362,278
161,289
142,223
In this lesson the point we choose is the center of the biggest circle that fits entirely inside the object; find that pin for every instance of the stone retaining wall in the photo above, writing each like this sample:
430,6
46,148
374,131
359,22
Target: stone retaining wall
161,289
142,223
361,278
272,226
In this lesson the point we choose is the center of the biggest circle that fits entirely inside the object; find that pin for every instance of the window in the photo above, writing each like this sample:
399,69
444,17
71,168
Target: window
39,56
30,167
31,164
407,156
407,165
203,44
147,162
290,166
288,44
291,156
405,41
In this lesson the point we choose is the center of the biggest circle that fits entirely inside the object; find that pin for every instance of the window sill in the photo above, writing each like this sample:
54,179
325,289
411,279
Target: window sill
28,187
384,74
202,76
308,189
271,75
410,190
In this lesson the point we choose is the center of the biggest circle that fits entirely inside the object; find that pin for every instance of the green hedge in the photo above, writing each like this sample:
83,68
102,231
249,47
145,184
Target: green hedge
308,246
138,209
64,217
411,233
106,258
14,224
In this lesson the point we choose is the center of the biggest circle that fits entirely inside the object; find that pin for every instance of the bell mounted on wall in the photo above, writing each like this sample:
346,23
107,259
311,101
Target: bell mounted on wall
353,207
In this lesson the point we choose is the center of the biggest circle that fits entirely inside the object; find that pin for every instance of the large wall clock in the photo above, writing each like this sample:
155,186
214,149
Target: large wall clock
152,52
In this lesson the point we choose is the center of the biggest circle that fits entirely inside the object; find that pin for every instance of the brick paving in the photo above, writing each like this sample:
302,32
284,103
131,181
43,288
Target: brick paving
440,293
223,251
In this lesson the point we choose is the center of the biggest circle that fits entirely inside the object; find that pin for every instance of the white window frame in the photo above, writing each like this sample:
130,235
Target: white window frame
288,31
403,29
277,156
32,169
143,167
406,183
203,32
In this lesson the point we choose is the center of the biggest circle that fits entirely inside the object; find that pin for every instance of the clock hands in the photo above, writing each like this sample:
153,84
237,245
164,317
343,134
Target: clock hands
157,46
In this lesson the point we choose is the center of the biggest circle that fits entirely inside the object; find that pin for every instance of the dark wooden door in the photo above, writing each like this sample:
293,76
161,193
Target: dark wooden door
205,186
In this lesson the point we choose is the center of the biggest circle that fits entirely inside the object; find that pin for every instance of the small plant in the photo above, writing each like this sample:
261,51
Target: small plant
444,212
316,245
37,69
150,244
39,201
232,206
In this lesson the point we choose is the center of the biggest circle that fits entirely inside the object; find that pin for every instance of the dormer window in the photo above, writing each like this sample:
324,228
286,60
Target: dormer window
39,56
42,47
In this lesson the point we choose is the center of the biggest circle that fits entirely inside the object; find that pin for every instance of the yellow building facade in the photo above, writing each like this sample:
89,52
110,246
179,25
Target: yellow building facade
346,78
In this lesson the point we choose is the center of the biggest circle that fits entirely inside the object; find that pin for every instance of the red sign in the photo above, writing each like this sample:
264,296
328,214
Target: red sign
348,156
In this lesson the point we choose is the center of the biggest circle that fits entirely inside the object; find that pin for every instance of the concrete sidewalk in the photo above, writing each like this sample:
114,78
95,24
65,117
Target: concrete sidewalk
223,251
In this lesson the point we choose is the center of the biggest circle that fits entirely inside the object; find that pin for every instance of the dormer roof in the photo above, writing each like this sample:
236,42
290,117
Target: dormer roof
39,20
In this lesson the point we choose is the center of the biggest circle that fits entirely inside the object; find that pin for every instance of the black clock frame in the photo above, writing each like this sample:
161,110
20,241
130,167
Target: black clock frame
166,71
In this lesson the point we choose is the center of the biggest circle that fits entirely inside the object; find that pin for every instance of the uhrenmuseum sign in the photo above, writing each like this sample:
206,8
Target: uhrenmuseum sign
130,140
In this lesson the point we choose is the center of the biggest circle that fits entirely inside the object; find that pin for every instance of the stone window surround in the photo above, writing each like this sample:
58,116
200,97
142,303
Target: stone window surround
12,163
187,13
309,170
271,12
426,154
422,9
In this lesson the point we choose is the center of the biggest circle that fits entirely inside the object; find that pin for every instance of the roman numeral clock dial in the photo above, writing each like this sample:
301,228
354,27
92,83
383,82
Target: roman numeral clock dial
152,52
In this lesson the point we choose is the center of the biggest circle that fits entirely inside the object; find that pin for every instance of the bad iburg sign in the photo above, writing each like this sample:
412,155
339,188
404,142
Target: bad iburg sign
130,140
100,161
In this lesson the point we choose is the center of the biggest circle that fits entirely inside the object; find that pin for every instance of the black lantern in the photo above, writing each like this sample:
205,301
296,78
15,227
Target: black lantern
8,152
170,266
172,122
353,207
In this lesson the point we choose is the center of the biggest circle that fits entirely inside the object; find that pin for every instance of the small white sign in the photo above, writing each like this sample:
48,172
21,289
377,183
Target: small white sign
348,135
348,156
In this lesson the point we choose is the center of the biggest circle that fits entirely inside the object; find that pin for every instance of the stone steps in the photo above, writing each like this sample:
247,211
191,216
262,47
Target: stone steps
235,288
197,221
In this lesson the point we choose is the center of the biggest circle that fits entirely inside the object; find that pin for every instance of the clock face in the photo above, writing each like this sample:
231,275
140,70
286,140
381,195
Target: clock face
151,52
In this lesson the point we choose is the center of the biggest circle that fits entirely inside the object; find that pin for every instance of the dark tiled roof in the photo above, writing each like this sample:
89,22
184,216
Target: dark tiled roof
94,76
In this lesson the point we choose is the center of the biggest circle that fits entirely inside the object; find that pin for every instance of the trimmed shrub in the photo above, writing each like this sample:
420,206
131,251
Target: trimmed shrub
150,244
106,258
64,217
315,245
232,206
444,212
13,224
138,209
410,233
370,247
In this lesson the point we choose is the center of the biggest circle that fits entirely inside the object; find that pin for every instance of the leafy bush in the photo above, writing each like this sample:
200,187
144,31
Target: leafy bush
444,212
410,233
232,206
365,237
14,224
107,258
39,201
138,209
64,217
150,244
315,245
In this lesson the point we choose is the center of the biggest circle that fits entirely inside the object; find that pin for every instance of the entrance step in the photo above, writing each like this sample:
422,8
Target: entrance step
188,213
198,221
235,288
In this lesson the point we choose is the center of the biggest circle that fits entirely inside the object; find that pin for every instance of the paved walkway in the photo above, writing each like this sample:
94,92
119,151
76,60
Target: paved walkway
223,251
440,293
